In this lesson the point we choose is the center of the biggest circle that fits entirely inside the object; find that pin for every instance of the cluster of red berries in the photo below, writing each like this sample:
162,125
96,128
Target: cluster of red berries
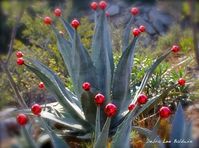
142,99
20,60
136,31
102,5
110,109
164,111
99,98
36,109
75,23
22,119
57,12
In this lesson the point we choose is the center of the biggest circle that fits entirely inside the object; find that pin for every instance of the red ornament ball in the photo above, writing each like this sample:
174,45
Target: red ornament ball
131,106
164,112
99,99
102,5
94,5
142,28
57,12
136,32
134,11
22,119
20,61
47,20
75,23
41,85
181,82
86,86
175,48
142,99
19,54
36,109
110,110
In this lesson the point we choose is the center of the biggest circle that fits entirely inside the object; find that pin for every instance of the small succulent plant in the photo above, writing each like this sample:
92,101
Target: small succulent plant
104,100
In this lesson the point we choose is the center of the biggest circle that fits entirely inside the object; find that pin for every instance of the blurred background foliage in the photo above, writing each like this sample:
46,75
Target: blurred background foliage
37,40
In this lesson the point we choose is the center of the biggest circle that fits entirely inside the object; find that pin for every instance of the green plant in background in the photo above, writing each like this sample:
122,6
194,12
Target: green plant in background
105,101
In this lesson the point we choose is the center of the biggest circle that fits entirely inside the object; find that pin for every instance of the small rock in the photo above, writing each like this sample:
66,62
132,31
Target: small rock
159,26
161,21
145,8
113,10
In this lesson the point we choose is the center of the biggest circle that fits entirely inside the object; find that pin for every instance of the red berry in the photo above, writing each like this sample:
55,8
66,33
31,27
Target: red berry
47,20
164,112
175,48
57,12
20,61
94,5
142,99
131,106
134,11
19,54
36,109
86,86
136,32
110,110
102,5
181,82
41,85
75,23
22,119
99,99
142,28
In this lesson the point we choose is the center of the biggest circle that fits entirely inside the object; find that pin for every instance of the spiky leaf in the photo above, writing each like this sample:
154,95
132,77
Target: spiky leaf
101,55
154,100
69,123
122,135
103,137
126,34
89,106
57,142
68,28
54,85
121,79
83,66
77,61
97,124
180,131
29,138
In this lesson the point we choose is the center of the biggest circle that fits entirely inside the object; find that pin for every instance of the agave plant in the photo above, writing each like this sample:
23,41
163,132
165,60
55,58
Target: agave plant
104,102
